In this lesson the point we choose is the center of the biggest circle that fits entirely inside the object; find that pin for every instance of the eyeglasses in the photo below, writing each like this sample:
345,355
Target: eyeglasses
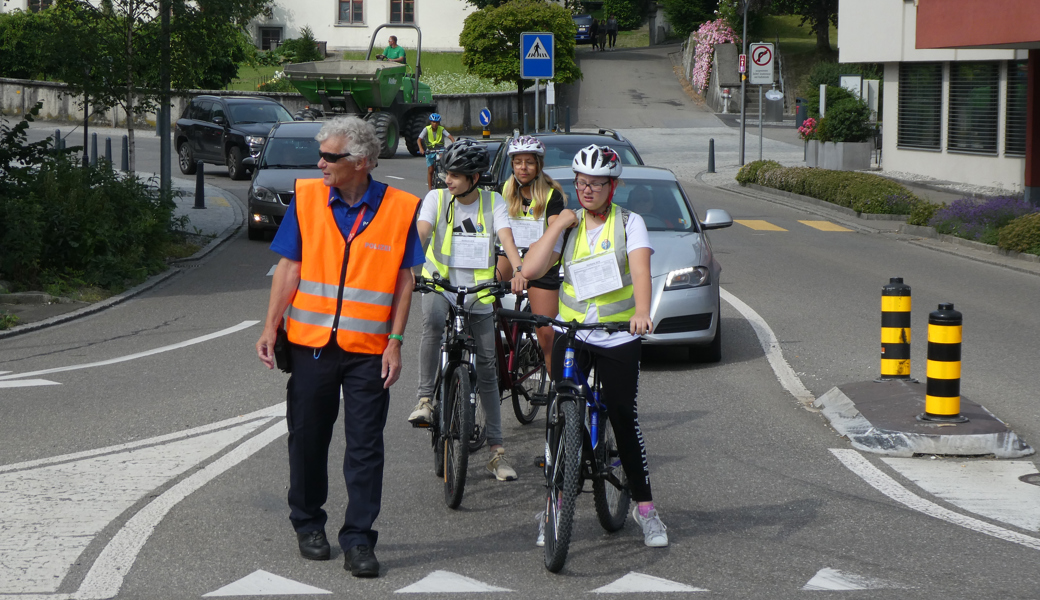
581,185
331,157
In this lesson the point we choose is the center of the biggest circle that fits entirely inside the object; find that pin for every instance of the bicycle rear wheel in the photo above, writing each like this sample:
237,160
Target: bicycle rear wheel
611,501
458,419
563,479
529,360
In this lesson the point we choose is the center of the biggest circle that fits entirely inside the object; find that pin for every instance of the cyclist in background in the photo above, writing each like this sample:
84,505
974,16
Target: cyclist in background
534,200
462,231
615,290
431,139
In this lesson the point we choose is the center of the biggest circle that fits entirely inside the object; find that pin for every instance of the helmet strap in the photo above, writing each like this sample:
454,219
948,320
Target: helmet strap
606,207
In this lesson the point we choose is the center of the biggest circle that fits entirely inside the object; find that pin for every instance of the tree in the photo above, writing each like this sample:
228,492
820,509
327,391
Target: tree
629,13
687,15
490,40
819,14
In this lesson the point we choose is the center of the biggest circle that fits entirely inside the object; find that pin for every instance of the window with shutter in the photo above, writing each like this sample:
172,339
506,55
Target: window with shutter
1015,119
974,107
920,106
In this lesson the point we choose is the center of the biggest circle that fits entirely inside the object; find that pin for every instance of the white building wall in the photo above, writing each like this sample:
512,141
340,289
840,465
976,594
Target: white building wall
441,23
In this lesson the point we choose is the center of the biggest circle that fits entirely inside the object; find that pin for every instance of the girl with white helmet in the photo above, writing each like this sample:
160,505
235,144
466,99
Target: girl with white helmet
534,200
617,239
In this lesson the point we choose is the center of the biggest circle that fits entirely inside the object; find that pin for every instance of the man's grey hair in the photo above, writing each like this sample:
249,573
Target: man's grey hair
359,137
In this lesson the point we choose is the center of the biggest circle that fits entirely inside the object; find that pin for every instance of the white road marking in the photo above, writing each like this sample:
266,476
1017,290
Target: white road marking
50,514
990,488
273,269
394,177
834,580
4,372
639,582
262,583
112,361
774,354
889,487
446,582
26,383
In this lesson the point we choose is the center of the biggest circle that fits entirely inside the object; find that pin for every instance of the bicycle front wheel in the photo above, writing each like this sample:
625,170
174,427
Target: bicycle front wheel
610,489
530,363
479,437
563,479
458,418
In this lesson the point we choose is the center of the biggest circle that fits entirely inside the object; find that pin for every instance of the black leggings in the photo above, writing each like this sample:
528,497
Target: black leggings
618,372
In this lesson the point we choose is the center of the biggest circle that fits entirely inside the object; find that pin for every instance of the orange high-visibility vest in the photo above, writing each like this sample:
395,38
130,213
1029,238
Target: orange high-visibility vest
367,285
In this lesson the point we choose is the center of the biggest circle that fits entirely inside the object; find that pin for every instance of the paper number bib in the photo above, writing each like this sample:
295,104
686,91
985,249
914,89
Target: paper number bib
470,251
526,231
595,275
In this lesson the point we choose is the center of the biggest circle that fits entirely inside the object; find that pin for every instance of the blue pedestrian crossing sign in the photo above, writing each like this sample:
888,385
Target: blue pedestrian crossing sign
485,117
536,55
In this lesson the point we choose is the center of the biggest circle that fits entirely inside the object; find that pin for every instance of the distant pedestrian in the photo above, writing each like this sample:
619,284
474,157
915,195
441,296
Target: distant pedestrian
593,33
612,29
601,34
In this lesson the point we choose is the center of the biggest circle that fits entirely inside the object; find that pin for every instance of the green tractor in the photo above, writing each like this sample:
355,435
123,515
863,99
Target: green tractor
383,92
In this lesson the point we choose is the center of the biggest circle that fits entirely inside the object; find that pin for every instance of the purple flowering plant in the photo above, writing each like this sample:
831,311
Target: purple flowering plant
979,220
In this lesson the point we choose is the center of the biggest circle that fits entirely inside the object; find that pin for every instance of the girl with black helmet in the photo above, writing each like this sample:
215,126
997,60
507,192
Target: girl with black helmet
462,225
617,240
534,200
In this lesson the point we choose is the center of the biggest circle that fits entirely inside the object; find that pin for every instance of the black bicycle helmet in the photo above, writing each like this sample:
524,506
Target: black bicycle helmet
466,157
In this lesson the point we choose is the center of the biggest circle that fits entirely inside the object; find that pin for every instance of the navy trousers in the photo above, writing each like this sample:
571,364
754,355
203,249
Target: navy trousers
313,394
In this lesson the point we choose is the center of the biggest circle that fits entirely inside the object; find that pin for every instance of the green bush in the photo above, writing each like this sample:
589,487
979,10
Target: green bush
749,172
301,49
629,13
847,120
922,212
1021,234
835,95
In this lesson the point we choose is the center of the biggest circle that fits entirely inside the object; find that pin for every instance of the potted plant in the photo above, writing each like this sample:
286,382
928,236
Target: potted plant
807,132
845,134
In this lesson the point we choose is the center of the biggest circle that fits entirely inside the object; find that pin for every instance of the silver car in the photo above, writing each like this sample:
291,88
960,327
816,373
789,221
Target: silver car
291,153
685,302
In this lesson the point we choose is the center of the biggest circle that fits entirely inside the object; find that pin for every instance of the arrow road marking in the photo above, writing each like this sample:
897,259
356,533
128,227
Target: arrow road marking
446,582
639,582
26,383
834,580
112,361
262,583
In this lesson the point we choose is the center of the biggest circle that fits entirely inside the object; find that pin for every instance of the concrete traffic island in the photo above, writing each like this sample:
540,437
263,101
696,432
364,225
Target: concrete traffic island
882,417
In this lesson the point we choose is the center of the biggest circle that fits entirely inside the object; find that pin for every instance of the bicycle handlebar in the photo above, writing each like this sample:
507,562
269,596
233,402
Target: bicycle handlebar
543,321
425,284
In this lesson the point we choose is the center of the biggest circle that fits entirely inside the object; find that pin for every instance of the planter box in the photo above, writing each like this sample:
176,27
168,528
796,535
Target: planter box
812,152
844,156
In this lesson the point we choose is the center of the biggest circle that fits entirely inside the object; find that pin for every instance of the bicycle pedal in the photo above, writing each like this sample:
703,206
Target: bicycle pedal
420,425
539,399
539,462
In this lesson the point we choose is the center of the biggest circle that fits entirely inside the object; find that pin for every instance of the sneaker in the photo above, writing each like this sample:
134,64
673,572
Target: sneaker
540,540
422,416
498,466
654,534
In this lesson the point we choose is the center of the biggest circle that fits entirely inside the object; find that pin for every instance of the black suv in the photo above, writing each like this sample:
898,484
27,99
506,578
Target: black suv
223,130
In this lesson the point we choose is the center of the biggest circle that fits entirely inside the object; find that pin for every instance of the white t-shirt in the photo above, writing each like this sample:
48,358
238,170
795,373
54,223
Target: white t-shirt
466,219
636,237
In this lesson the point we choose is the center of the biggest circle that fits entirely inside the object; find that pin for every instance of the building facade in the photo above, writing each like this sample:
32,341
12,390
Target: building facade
957,91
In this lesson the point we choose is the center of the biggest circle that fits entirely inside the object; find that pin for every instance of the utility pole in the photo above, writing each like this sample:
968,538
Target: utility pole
164,108
743,82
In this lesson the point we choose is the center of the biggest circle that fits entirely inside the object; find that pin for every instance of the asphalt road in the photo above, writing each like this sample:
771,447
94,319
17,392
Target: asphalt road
162,474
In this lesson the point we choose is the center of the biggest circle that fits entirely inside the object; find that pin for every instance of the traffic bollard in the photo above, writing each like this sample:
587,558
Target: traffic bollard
711,155
486,134
57,139
895,330
525,123
124,164
567,122
93,149
942,400
108,151
200,185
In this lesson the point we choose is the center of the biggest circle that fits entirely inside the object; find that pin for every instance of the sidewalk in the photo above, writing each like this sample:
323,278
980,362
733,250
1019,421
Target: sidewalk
219,221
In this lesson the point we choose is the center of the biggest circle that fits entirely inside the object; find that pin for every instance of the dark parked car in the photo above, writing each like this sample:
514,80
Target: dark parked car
560,149
291,153
224,130
584,25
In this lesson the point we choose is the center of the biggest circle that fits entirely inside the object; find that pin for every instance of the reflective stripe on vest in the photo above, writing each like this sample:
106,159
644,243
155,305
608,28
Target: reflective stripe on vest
368,285
438,252
619,305
435,141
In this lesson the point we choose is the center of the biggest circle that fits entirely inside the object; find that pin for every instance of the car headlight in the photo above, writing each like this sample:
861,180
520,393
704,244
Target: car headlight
263,194
255,140
688,277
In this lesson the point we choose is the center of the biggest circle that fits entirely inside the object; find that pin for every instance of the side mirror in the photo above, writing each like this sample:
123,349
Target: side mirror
486,179
716,218
249,162
220,121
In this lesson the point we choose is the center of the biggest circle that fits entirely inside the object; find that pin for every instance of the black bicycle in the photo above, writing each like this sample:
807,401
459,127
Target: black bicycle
455,396
579,446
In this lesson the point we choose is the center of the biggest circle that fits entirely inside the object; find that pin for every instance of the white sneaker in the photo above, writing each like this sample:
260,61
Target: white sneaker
498,466
654,534
540,540
422,416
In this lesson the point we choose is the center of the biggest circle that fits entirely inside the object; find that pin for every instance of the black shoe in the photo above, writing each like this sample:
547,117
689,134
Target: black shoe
361,562
314,545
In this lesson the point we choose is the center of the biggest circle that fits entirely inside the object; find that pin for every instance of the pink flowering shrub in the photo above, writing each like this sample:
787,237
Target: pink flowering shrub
808,129
709,34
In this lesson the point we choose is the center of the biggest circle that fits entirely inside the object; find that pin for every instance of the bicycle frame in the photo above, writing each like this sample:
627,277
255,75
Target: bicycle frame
572,387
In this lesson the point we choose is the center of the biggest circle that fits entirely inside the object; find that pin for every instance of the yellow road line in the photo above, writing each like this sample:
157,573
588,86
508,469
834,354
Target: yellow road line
824,225
759,225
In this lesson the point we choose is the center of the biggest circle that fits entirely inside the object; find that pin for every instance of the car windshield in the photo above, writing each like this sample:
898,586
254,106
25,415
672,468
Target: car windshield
660,203
290,153
265,112
561,155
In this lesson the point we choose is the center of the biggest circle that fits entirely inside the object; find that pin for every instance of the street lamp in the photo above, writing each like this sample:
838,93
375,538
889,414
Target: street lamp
743,81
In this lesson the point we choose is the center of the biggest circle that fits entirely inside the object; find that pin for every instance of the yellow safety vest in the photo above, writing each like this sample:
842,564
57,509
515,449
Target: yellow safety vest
619,305
438,252
435,142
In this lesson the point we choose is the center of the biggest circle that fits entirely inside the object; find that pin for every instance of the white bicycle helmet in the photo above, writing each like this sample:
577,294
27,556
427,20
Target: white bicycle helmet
598,161
526,144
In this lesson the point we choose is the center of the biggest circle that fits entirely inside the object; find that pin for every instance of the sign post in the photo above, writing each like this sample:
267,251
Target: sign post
761,74
536,62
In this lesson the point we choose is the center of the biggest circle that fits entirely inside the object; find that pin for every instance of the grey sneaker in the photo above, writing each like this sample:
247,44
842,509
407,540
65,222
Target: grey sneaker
498,466
654,531
422,416
540,540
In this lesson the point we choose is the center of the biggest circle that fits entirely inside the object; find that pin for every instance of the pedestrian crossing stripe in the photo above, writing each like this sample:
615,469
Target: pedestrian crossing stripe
446,582
824,225
834,580
640,582
271,272
537,50
262,583
759,225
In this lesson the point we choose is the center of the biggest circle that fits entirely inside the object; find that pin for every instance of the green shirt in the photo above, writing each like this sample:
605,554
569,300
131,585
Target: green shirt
392,53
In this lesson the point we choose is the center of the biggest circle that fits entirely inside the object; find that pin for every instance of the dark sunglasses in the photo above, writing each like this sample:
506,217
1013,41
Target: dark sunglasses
331,157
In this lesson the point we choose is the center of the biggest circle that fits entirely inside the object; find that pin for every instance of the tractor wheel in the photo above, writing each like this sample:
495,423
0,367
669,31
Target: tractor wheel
414,124
387,130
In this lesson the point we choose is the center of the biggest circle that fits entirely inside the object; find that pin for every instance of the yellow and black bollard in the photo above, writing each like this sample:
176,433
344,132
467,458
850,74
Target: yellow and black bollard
895,330
942,401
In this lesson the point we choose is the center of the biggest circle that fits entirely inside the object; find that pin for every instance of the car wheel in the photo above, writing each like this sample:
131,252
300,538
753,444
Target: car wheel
387,130
413,127
185,160
712,353
235,168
